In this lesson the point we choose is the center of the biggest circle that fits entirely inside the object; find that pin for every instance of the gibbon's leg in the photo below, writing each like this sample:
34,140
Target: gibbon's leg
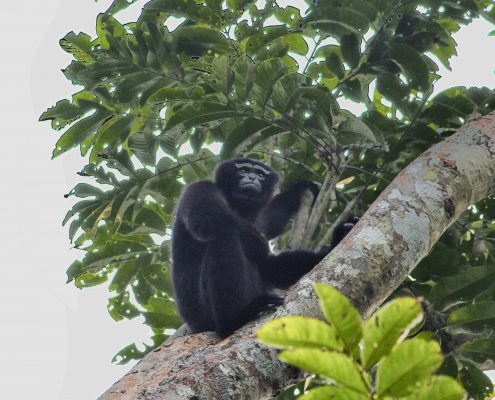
230,285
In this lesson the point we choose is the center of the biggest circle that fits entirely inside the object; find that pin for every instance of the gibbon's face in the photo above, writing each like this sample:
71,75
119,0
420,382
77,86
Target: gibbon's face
251,176
246,180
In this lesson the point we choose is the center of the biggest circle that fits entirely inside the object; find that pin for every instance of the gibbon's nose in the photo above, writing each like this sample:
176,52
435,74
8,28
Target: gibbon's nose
252,176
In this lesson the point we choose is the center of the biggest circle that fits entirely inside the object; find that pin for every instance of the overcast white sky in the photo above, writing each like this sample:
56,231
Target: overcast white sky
57,341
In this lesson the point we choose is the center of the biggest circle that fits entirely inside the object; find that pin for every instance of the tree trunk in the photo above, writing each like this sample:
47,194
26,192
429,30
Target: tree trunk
396,232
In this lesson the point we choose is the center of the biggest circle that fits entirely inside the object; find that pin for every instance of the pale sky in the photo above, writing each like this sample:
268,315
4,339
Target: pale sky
57,341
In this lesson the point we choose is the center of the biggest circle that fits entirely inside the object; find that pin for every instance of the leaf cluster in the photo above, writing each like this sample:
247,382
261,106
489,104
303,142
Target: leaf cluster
356,360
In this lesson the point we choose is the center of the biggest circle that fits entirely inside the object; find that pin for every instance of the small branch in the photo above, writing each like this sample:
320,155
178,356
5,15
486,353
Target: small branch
372,174
311,56
319,206
341,218
300,221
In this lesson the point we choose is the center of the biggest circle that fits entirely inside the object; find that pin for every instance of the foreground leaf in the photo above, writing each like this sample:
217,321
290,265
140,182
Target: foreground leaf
332,393
338,367
408,364
341,314
299,332
441,388
386,328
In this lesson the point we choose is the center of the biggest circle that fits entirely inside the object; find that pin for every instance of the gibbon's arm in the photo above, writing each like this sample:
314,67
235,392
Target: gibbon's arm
275,216
204,212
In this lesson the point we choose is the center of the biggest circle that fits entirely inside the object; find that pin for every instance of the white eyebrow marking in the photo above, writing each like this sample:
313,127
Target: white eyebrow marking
265,171
255,166
247,165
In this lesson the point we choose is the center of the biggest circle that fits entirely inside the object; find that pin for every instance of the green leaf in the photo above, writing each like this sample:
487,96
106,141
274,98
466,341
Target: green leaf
477,384
161,321
119,307
245,130
474,318
131,352
245,72
332,393
409,363
289,15
341,314
284,90
158,276
297,331
90,279
350,46
387,327
392,87
412,64
74,270
223,75
65,112
353,131
78,132
448,106
119,5
334,64
263,135
296,43
144,146
268,35
189,9
110,135
148,221
337,21
441,388
176,93
124,276
201,113
449,367
86,190
356,88
267,74
462,287
79,46
117,252
196,40
480,351
338,367
108,29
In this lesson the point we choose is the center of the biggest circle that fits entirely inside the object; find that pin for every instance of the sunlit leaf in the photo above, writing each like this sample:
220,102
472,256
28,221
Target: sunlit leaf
409,363
343,317
338,367
387,327
296,331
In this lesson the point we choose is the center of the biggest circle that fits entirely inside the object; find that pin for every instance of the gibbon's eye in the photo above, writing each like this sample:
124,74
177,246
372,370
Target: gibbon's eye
243,171
261,175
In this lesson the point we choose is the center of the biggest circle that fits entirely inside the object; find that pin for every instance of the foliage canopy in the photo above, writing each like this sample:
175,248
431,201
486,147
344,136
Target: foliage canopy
271,82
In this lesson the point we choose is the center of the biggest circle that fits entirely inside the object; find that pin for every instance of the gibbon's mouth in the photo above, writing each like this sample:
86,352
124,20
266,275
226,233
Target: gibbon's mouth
250,185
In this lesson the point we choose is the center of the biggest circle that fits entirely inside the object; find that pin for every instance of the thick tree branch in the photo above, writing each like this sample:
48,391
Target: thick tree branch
392,237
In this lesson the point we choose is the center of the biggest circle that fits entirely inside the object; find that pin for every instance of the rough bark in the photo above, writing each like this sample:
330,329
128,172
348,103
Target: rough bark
392,237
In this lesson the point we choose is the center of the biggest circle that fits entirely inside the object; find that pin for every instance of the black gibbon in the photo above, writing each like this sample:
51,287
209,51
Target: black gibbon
223,271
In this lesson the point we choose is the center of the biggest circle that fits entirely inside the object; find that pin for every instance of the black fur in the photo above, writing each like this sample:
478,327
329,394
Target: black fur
223,270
